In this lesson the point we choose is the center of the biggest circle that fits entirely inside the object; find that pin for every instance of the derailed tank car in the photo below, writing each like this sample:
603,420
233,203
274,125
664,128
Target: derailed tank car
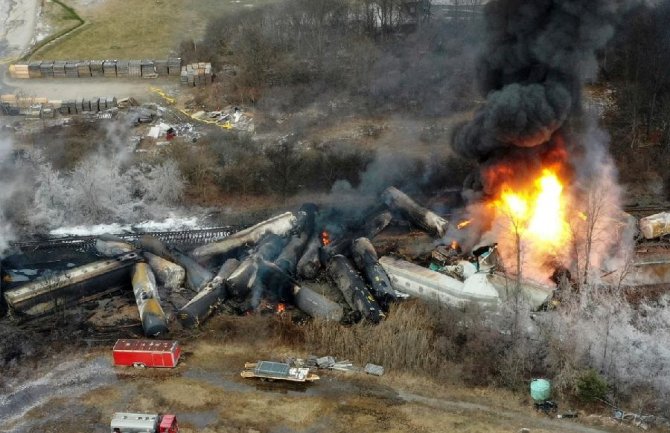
65,288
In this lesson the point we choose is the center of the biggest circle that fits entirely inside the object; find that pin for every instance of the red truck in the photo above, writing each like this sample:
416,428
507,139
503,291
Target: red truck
124,422
146,353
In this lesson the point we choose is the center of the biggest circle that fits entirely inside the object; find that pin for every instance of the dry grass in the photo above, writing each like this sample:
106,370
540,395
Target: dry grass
338,403
187,394
57,18
405,341
267,410
138,29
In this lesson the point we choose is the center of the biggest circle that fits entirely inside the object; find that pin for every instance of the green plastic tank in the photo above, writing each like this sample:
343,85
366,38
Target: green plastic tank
540,389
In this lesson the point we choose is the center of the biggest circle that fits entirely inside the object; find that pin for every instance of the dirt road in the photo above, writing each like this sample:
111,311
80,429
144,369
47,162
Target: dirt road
85,88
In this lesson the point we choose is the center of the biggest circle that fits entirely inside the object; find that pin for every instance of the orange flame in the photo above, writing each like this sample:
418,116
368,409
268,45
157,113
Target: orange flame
536,215
463,224
455,245
325,238
539,210
281,308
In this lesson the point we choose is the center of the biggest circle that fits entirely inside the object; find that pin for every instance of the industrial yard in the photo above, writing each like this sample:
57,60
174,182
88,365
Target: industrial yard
323,215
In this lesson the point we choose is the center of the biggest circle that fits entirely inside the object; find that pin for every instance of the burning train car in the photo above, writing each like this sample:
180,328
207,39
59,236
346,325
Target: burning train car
271,263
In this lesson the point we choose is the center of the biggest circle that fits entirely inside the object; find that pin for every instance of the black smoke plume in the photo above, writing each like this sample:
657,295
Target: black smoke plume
537,56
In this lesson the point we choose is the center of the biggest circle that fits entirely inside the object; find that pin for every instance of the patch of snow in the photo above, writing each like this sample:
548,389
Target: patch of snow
168,224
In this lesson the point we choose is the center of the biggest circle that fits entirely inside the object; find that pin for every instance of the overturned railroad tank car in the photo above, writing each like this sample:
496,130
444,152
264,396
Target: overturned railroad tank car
152,316
280,225
352,286
202,305
196,275
65,288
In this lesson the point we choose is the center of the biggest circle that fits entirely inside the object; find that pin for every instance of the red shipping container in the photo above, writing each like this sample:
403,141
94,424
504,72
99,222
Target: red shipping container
146,353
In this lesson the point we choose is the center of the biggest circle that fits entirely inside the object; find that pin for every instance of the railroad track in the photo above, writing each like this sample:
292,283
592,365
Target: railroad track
648,210
183,238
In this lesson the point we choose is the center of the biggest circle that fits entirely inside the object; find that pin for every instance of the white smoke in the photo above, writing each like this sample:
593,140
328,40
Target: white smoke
101,189
12,186
618,339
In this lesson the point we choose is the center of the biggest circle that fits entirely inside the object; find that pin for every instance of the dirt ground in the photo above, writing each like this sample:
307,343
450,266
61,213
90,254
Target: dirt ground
72,89
77,391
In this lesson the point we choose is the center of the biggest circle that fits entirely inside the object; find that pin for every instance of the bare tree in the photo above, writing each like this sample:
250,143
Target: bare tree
285,162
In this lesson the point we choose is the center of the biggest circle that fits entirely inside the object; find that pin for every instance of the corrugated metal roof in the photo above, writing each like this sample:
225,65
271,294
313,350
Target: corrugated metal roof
131,345
272,368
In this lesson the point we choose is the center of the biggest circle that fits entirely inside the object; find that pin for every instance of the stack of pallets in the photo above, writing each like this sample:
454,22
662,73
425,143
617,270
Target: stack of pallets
201,72
161,67
148,69
47,68
72,69
122,68
84,68
135,68
109,68
20,70
174,66
34,70
196,74
96,68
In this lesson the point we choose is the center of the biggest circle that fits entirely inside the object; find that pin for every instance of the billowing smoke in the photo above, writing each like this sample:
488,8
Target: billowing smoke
11,185
538,55
106,187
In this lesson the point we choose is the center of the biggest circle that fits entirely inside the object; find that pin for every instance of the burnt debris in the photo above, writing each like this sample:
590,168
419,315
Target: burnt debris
268,267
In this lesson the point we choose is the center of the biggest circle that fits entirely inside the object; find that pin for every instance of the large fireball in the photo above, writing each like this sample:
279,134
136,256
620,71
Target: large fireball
535,214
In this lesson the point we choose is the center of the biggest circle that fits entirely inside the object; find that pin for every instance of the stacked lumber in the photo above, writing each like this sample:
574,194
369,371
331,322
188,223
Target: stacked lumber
148,69
25,102
78,106
43,107
9,99
122,68
196,74
84,68
28,106
72,69
19,70
47,68
34,70
109,68
161,67
135,68
106,103
96,68
174,66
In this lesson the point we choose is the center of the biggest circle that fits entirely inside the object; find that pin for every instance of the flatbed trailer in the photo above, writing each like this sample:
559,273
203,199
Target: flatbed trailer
268,370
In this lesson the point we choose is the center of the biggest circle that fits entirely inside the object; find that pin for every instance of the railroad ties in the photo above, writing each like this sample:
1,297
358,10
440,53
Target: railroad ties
182,238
